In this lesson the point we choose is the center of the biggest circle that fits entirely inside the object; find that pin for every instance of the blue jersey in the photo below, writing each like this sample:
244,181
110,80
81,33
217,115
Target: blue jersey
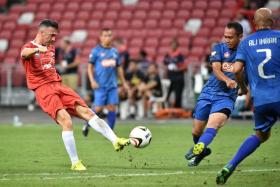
105,62
260,53
220,53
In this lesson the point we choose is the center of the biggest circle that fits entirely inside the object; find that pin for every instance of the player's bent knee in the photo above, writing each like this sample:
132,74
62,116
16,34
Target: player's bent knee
64,119
263,136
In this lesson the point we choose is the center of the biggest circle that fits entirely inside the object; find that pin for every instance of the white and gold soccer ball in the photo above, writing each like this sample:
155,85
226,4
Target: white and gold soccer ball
140,136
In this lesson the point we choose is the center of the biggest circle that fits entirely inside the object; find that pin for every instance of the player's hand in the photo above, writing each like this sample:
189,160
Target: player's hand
42,49
231,84
94,85
242,91
227,67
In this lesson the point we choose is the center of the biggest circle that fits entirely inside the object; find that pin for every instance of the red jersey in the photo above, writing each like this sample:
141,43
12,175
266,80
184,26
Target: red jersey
40,67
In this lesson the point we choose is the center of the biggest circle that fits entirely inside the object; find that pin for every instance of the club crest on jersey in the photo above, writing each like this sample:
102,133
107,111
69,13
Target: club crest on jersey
226,54
109,62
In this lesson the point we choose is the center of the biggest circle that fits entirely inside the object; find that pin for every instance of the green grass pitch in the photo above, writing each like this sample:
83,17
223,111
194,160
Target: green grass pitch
34,155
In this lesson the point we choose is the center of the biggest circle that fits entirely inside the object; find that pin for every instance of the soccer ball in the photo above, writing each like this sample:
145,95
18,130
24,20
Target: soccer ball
140,136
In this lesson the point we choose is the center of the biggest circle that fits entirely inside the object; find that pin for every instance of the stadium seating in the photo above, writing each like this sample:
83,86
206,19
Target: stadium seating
148,24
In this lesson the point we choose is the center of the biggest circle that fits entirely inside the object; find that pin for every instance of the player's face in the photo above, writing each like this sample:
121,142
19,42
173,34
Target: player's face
48,35
231,38
106,38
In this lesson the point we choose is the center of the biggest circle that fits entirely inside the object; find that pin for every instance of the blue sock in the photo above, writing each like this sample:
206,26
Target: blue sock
111,117
195,139
208,136
247,148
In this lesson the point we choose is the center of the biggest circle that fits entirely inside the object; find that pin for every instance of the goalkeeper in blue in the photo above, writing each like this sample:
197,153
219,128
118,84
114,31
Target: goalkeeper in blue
259,56
216,100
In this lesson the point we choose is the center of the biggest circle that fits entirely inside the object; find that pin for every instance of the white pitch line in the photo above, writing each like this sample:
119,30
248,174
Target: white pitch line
56,176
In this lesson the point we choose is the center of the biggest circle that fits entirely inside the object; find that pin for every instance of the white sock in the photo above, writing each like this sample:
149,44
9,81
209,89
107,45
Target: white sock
103,128
70,145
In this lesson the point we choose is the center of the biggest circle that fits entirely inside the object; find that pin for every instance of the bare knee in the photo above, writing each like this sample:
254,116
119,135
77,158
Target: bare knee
198,127
263,136
197,132
64,120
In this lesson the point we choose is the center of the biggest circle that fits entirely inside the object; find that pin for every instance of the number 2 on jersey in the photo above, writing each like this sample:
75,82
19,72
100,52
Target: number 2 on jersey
268,55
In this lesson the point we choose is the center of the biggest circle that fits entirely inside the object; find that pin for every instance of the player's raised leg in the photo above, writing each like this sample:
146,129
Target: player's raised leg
101,126
246,148
64,120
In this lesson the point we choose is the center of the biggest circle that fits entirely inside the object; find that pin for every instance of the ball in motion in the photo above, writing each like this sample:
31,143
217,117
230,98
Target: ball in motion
140,136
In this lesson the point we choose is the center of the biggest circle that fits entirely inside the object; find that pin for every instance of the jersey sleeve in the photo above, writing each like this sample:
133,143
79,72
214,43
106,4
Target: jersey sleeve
93,56
216,54
240,54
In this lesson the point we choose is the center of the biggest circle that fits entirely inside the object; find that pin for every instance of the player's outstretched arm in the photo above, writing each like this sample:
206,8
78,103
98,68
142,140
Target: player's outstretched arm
217,69
28,52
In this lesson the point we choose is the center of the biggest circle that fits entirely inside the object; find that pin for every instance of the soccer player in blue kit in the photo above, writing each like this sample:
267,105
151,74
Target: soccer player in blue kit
259,53
103,68
216,100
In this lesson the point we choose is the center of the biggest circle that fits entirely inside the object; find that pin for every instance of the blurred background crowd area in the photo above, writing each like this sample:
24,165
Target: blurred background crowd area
145,31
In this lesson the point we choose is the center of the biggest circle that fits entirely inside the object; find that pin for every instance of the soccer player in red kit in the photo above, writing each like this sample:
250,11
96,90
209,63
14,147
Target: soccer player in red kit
57,100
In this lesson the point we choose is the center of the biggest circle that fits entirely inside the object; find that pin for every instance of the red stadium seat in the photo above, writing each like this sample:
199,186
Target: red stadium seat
170,33
18,76
97,15
111,15
126,14
184,42
151,42
6,34
200,5
41,15
31,8
101,6
72,6
58,7
226,13
157,5
83,16
172,5
218,31
136,42
151,24
108,24
154,14
143,5
139,33
223,21
140,14
151,51
197,13
156,33
16,9
209,22
165,41
44,7
212,13
215,4
79,24
122,24
124,33
168,14
186,5
66,24
55,16
9,26
203,32
165,23
133,51
115,5
179,23
200,42
69,15
136,24
183,14
197,51
87,6
93,24
16,44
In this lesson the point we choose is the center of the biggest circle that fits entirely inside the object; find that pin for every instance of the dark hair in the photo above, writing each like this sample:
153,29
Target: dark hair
105,30
236,26
49,23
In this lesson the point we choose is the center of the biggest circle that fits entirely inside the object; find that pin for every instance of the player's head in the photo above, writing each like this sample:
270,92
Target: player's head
106,36
152,69
233,34
263,18
132,67
48,30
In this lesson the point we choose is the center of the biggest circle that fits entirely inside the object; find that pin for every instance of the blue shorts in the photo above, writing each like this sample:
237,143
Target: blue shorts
106,96
212,104
266,116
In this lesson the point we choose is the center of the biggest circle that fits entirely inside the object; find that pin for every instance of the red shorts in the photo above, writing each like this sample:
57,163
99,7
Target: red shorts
54,96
